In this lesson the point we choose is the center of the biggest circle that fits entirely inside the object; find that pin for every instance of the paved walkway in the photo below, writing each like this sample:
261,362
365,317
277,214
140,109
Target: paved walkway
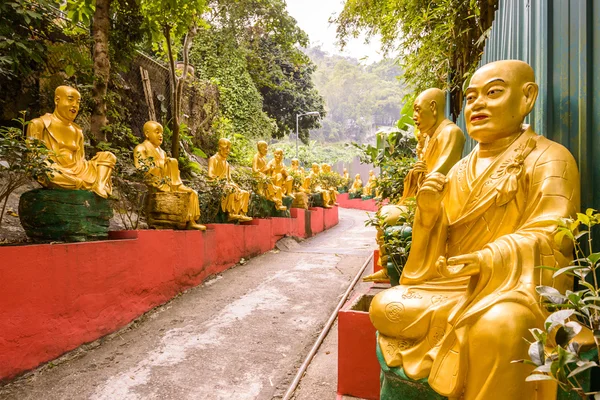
242,335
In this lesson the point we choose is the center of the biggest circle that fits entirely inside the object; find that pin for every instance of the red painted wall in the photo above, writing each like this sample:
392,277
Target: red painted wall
358,368
56,297
367,205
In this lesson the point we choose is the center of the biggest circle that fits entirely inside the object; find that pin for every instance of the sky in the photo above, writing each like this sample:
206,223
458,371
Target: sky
313,16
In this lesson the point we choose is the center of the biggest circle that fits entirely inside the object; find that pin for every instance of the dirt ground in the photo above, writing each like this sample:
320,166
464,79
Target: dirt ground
241,335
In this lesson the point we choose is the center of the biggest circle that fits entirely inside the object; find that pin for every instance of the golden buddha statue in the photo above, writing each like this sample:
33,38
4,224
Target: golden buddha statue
370,186
162,172
467,298
317,185
280,175
301,185
64,138
357,186
235,203
262,169
326,169
440,146
345,178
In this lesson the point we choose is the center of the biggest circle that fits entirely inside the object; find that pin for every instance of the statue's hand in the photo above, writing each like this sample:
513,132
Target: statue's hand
431,192
459,266
420,166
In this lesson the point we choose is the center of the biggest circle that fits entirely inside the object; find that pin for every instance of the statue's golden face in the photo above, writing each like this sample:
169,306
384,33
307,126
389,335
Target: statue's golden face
154,134
67,103
262,148
278,155
315,168
295,164
423,114
326,168
224,149
496,103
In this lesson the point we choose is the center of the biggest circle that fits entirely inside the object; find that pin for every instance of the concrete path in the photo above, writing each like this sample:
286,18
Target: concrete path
239,336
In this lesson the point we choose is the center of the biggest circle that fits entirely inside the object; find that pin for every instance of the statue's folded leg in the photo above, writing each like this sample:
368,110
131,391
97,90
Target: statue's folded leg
193,207
105,163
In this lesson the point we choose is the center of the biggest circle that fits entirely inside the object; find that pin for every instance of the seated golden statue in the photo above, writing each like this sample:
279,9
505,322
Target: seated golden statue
65,139
345,178
301,186
162,172
370,186
357,186
235,203
326,168
262,169
317,185
280,175
439,147
467,295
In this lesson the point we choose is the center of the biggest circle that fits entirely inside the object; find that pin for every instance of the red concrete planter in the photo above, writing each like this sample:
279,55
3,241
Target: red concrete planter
316,219
358,204
56,297
358,368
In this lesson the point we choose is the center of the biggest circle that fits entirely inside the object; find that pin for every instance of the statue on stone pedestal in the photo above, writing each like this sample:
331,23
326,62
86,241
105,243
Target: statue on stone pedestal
235,203
279,173
301,189
467,295
162,175
264,170
369,189
326,169
64,138
317,186
439,147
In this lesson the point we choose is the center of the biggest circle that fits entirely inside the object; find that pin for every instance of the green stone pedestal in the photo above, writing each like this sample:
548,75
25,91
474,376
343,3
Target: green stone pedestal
260,207
356,195
316,200
64,215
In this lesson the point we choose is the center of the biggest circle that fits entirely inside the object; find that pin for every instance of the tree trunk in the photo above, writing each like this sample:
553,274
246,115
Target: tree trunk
174,102
100,26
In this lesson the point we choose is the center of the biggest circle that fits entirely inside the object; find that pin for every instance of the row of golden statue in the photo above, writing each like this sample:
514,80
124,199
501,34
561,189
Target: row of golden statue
467,297
64,138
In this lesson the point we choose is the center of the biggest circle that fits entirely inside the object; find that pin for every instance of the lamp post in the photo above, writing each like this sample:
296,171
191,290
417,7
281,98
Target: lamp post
297,117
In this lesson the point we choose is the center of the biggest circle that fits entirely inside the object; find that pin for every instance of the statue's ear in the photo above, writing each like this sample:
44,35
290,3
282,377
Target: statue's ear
433,107
530,94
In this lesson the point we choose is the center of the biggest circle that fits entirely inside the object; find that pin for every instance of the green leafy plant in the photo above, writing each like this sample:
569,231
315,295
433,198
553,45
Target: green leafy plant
21,161
554,352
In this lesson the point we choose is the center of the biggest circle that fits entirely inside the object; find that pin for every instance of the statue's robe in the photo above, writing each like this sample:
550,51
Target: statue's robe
317,187
508,215
357,186
67,158
441,151
271,191
281,177
163,175
235,202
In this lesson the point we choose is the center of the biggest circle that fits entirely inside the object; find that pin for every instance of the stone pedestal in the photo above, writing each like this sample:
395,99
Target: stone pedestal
165,210
64,215
316,200
300,201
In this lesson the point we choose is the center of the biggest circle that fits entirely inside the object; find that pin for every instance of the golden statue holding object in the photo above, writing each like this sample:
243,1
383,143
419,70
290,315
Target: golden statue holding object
64,138
316,185
467,294
326,169
370,186
440,146
279,173
162,174
262,169
302,189
235,203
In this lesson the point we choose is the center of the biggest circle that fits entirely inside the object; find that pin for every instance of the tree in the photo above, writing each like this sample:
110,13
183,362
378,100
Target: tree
174,23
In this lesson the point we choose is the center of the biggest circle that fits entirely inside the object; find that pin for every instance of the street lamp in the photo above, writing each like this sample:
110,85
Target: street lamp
297,117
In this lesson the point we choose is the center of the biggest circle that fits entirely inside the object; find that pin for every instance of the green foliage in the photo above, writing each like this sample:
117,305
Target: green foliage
357,96
21,161
440,41
560,359
319,153
390,183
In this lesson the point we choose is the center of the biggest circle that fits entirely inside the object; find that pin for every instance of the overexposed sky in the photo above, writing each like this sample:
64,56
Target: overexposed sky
313,16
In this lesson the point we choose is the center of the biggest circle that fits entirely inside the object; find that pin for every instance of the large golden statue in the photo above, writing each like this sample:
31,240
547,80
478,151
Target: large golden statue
279,173
467,295
64,138
317,185
264,170
234,203
162,172
440,146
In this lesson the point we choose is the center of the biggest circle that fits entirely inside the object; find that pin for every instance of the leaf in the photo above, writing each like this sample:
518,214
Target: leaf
536,353
70,70
584,366
538,377
594,257
566,333
551,294
584,219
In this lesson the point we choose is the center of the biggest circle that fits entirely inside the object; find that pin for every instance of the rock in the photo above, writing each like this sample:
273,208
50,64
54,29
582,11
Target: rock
165,210
64,215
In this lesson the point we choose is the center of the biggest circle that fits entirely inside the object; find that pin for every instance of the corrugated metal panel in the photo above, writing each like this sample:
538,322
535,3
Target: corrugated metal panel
559,39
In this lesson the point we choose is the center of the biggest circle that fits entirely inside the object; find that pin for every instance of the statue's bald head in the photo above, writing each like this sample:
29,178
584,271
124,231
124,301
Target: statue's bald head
224,147
153,131
150,126
224,142
499,97
428,110
66,102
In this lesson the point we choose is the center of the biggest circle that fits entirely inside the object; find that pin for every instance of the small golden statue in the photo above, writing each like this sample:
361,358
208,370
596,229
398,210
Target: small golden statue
357,186
316,185
235,203
264,170
439,147
279,173
65,139
369,189
162,174
301,189
326,169
345,178
467,295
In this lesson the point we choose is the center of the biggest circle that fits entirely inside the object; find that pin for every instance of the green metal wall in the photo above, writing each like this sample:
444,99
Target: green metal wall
560,39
